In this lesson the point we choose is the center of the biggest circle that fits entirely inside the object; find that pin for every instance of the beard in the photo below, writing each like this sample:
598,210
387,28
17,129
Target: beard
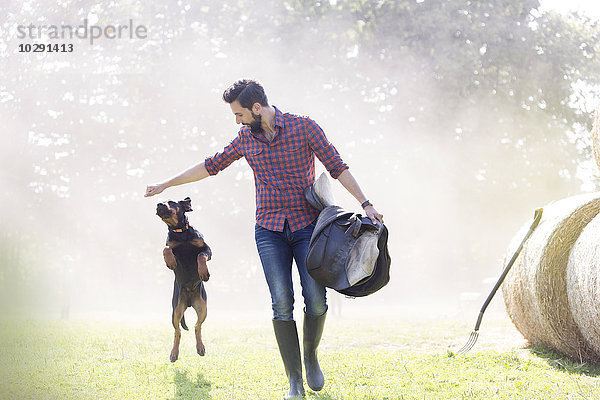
256,125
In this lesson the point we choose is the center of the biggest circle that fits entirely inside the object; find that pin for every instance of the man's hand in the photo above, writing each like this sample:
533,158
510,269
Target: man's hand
348,181
193,174
151,190
373,214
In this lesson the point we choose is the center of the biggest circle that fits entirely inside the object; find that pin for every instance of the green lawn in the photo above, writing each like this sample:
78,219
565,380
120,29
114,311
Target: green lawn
361,360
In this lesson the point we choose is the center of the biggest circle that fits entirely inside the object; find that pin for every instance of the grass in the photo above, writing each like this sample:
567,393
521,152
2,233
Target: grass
362,360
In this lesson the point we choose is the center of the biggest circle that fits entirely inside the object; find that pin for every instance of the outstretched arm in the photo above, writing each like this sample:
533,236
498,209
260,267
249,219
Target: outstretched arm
193,174
347,180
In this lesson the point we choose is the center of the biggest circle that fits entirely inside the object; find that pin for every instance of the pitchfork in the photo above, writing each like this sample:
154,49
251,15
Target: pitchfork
475,334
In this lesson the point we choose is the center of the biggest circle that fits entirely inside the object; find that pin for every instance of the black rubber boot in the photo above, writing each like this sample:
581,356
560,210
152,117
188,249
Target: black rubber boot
289,348
313,329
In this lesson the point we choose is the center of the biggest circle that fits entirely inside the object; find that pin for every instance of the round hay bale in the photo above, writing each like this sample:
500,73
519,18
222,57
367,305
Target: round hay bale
583,282
596,137
535,290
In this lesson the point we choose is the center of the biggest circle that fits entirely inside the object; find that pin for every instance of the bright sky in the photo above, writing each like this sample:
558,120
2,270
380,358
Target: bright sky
588,7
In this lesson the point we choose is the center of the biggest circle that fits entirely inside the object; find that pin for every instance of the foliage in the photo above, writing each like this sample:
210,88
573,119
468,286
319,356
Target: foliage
510,63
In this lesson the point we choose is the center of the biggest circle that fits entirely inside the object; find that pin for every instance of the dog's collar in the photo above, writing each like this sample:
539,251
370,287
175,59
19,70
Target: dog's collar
187,226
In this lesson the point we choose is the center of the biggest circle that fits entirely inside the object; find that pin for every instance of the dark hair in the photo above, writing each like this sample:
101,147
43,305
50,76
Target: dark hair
247,92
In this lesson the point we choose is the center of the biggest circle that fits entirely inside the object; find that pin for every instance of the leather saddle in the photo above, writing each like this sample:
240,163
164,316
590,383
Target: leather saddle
347,252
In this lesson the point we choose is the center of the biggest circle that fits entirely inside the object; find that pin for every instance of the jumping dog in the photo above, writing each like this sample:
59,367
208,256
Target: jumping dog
186,254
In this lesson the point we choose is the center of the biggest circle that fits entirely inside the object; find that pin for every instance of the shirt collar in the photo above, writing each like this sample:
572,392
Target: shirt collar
279,123
278,118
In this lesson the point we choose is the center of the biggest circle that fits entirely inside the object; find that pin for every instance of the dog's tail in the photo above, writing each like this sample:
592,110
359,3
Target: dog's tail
174,301
183,325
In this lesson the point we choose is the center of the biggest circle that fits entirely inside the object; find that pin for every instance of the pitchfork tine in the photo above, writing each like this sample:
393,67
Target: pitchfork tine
475,334
470,343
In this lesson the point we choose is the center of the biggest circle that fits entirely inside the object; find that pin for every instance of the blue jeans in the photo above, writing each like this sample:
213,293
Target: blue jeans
277,250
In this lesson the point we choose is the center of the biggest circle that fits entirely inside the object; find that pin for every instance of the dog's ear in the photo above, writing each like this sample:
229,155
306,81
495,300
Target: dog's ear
186,204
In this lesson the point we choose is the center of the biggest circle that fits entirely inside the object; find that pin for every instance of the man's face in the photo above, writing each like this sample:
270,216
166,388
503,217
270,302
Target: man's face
246,117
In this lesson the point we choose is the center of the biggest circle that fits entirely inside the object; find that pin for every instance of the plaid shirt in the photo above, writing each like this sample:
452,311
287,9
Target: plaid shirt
283,168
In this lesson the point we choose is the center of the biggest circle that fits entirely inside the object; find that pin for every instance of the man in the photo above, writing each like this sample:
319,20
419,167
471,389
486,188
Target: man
280,148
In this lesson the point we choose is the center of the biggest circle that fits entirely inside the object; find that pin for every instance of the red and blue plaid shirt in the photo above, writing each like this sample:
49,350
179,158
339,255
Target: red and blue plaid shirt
283,168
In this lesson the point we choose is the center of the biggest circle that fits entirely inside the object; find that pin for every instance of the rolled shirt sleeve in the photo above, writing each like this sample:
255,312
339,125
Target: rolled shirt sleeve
223,159
324,150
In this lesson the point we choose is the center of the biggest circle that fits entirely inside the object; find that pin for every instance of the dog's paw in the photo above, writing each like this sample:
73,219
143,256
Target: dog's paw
201,351
171,266
169,257
174,355
203,274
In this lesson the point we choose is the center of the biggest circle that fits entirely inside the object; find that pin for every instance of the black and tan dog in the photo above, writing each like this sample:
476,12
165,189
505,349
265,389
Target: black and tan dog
186,254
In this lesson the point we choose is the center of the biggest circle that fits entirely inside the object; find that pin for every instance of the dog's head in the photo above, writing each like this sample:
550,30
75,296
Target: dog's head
173,213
